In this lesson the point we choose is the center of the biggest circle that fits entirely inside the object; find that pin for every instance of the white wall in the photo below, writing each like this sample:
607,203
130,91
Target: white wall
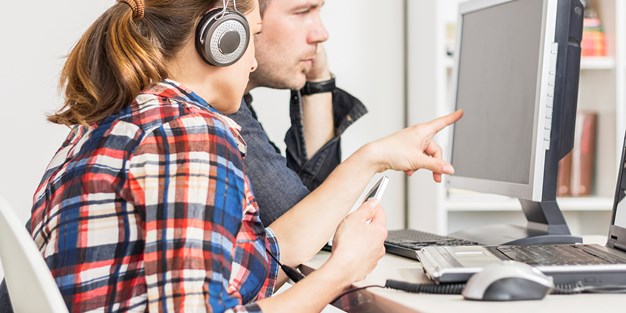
36,37
35,40
365,52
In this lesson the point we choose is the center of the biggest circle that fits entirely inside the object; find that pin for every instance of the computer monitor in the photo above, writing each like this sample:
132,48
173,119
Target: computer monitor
516,77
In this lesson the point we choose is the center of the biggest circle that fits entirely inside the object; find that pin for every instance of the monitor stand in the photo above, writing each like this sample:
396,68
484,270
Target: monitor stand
546,225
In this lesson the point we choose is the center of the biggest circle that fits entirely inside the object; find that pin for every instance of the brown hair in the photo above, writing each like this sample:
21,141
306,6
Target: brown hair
263,4
118,56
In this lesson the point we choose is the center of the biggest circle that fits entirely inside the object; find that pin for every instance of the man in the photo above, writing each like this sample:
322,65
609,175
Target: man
290,56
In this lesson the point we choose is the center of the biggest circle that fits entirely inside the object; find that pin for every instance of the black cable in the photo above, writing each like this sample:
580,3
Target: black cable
568,289
605,289
442,289
296,276
291,272
456,289
578,287
353,290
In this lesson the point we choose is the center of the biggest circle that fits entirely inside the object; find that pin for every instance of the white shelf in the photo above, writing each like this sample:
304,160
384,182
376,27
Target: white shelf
449,62
597,63
476,203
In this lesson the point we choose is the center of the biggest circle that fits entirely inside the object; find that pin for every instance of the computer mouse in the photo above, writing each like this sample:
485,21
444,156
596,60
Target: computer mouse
508,281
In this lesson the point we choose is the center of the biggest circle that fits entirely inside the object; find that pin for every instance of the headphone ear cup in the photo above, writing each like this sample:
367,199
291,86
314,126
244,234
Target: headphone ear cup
222,37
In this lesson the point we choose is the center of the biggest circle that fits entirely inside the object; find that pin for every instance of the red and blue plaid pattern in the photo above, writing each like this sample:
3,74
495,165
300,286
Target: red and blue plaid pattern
151,210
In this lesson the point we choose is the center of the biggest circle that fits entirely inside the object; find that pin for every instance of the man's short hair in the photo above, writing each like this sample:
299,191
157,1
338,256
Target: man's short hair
263,4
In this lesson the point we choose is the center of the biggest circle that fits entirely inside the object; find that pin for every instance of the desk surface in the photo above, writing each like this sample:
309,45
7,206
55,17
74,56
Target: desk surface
399,268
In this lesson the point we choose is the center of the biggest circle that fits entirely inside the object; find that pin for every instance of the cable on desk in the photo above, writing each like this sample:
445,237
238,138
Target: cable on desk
448,289
568,289
578,287
296,276
456,289
354,290
442,289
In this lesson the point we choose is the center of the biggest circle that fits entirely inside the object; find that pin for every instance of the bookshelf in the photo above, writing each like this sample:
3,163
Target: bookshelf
433,207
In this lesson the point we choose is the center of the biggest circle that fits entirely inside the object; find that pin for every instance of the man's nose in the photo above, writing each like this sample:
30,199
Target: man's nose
318,33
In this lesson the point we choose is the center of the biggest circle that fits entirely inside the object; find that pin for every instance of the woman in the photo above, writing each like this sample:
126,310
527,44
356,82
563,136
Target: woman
146,205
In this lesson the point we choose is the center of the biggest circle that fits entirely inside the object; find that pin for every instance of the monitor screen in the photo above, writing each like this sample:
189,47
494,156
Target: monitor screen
507,81
497,85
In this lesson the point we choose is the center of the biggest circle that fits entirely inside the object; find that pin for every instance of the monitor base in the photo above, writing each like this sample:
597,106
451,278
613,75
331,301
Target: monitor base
503,234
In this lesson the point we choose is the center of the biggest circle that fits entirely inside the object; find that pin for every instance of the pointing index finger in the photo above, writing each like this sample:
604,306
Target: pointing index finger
440,123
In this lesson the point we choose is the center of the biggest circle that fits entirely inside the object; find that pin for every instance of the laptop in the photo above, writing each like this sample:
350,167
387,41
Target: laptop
405,242
590,264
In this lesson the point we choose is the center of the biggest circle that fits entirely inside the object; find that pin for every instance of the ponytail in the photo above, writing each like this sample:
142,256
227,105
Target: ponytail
111,63
123,52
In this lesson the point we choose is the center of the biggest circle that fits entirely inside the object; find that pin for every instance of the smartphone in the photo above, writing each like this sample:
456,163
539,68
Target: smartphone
376,192
378,189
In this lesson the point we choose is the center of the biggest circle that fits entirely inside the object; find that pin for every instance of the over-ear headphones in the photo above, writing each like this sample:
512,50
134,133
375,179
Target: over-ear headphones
222,36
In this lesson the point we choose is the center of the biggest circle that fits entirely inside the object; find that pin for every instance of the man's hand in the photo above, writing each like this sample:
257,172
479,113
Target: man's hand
319,71
413,148
317,109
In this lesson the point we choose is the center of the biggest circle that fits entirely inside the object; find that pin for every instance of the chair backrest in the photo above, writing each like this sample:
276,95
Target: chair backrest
31,286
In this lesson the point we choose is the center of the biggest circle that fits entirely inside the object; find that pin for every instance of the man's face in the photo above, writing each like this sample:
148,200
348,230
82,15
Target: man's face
285,49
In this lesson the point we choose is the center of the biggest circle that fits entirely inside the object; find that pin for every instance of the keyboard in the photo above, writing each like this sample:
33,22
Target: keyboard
405,242
557,255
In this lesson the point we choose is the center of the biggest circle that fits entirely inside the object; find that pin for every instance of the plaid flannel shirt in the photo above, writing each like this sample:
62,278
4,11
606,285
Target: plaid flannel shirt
151,210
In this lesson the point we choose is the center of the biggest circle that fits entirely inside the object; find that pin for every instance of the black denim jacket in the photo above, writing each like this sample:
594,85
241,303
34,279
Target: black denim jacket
278,182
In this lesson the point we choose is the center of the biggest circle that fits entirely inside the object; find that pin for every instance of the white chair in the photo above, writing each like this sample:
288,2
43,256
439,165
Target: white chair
31,286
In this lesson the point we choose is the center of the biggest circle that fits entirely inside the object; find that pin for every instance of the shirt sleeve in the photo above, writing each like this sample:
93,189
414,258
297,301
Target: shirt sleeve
346,110
254,242
271,244
187,181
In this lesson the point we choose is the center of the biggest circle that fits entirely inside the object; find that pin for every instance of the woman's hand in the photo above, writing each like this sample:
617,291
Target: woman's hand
413,148
358,242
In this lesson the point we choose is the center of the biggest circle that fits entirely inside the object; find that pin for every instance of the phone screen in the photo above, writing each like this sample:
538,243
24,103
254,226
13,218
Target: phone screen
378,189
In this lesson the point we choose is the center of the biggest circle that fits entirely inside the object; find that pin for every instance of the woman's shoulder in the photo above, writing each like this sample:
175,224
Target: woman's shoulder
159,105
157,109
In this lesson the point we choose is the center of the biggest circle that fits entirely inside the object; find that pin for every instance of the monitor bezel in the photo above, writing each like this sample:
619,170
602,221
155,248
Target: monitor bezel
533,190
617,233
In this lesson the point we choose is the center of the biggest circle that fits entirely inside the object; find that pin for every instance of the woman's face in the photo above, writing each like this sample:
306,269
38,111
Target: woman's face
238,74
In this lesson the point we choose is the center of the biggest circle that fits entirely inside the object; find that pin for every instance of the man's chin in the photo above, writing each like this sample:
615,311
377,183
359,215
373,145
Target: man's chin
292,82
299,81
295,82
276,80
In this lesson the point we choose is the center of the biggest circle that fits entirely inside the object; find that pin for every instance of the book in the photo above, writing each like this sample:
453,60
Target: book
563,178
594,40
583,154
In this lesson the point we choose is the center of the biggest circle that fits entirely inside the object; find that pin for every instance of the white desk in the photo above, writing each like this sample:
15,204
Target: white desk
403,269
